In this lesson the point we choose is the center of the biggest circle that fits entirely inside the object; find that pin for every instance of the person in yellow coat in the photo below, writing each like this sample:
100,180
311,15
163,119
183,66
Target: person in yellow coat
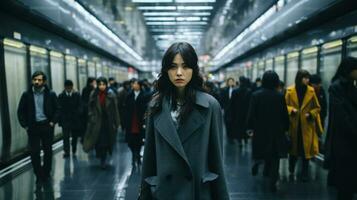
305,125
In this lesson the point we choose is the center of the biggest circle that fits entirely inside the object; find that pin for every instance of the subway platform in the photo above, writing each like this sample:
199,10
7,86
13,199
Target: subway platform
81,178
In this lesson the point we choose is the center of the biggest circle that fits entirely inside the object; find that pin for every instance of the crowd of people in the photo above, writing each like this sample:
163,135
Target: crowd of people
179,120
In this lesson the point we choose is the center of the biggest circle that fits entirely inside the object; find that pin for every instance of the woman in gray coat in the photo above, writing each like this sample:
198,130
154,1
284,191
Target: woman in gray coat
103,121
183,145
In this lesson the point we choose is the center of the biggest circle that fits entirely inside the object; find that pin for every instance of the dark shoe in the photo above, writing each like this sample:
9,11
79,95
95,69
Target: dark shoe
255,169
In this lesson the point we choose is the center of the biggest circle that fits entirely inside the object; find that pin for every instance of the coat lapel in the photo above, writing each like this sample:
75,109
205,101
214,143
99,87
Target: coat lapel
309,94
164,125
194,121
294,96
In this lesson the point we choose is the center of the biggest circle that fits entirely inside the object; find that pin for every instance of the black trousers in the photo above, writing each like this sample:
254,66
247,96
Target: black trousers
67,133
41,135
271,168
135,142
292,164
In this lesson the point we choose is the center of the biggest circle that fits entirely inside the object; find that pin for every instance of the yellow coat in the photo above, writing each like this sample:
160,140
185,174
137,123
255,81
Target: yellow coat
310,128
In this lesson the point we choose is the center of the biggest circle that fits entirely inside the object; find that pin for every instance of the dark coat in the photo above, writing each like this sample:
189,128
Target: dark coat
85,99
26,110
269,119
95,119
224,97
121,106
341,140
239,111
140,104
321,96
226,104
70,110
185,163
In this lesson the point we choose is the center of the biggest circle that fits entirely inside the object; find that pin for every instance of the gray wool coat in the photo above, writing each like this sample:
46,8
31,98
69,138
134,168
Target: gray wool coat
94,119
185,164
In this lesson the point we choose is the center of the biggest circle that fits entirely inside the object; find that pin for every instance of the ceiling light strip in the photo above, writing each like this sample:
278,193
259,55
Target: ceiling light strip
174,14
74,4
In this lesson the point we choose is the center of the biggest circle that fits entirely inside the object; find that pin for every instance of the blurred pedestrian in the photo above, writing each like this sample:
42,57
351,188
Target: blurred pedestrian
103,121
305,125
239,110
135,107
341,140
38,113
70,117
268,119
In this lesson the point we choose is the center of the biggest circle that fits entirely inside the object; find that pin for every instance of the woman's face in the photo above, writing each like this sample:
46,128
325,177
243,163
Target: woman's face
179,73
305,80
102,86
135,86
94,83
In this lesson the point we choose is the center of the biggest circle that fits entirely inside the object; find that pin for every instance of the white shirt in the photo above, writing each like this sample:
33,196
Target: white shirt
136,94
230,92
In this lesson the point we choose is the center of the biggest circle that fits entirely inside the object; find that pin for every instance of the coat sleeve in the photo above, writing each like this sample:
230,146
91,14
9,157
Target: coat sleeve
251,114
149,161
60,109
56,108
343,112
215,152
288,102
22,111
323,104
284,114
315,111
116,112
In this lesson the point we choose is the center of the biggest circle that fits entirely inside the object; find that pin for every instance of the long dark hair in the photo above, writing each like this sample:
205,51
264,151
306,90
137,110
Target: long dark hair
165,88
344,69
299,76
102,80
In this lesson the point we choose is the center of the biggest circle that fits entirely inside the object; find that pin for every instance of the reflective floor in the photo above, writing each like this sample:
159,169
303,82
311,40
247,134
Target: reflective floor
82,178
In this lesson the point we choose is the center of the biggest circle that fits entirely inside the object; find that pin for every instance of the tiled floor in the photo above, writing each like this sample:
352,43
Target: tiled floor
81,178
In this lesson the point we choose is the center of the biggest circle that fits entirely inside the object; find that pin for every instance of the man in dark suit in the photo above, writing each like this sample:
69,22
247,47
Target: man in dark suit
226,95
70,110
38,113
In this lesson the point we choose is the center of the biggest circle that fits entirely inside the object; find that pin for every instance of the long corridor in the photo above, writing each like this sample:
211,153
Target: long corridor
81,177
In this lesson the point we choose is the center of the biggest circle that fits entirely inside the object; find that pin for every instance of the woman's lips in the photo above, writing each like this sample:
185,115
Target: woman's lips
179,80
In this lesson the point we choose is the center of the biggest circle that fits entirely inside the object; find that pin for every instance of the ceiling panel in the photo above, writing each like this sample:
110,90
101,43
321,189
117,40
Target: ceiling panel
171,21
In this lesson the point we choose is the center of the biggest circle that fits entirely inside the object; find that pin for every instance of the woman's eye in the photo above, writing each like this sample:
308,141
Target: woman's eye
173,67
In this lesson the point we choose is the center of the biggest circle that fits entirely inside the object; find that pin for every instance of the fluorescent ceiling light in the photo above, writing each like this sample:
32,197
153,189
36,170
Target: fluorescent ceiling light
160,18
160,23
195,1
156,30
176,14
176,36
157,7
152,1
175,23
188,18
175,7
79,8
194,7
